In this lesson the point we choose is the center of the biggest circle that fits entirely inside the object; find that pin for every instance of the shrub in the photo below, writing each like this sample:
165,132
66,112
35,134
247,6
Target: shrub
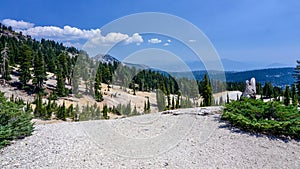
269,118
14,122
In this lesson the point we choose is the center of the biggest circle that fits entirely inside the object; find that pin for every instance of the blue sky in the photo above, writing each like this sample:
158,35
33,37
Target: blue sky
264,31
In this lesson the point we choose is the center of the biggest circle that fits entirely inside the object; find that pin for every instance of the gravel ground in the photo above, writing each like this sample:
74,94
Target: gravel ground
178,139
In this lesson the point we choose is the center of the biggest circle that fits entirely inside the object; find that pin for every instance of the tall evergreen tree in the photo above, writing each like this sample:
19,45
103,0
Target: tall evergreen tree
25,64
169,100
97,87
294,96
268,90
206,91
60,83
177,101
148,105
39,71
287,95
105,111
145,107
297,76
4,64
173,103
61,113
63,64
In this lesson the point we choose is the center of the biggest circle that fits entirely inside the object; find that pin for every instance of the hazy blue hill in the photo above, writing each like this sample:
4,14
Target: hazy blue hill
278,76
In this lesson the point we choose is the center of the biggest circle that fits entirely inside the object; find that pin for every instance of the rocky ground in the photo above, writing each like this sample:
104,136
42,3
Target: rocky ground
190,138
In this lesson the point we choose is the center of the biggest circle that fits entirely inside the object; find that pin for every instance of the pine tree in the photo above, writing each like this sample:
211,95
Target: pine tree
70,112
38,111
5,64
133,87
145,107
173,103
206,91
60,83
286,100
169,100
98,94
63,64
294,96
49,108
297,76
97,86
77,112
61,113
177,102
148,105
259,88
25,73
104,112
268,90
39,71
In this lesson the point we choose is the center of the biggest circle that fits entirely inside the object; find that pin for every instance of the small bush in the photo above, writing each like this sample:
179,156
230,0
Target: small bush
14,122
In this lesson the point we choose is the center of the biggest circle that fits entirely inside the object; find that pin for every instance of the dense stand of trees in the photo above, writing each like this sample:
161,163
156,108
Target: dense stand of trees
34,59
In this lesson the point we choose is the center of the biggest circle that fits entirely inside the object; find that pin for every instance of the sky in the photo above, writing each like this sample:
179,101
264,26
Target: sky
264,32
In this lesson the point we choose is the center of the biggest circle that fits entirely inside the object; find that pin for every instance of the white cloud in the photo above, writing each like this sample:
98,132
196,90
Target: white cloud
135,38
17,24
192,40
112,38
65,33
166,44
71,44
154,40
169,41
69,35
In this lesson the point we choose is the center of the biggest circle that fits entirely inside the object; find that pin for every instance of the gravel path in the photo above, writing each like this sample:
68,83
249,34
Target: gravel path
180,139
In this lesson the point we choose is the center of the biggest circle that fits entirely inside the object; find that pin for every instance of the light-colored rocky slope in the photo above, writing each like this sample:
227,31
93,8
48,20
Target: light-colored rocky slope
180,139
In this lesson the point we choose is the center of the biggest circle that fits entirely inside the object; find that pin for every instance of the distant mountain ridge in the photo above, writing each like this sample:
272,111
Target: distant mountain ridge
277,76
105,58
232,65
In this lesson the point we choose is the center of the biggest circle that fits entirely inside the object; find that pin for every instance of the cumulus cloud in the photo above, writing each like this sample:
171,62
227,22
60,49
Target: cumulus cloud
71,44
112,38
70,35
17,24
166,44
65,33
135,38
154,40
169,41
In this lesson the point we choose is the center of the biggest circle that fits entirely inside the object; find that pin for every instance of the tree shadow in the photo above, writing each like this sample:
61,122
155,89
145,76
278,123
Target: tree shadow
29,89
